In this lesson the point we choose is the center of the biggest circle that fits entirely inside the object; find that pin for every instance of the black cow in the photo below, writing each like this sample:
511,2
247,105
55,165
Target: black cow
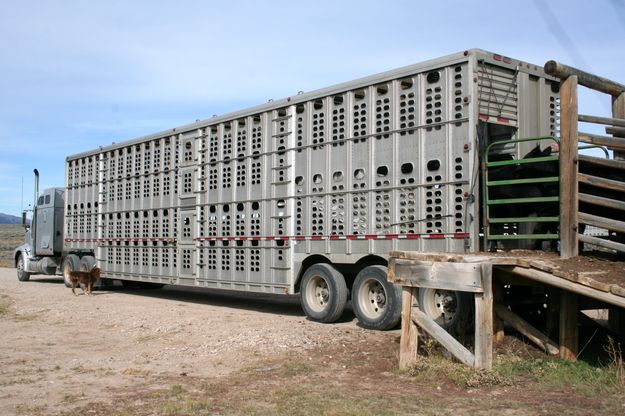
531,190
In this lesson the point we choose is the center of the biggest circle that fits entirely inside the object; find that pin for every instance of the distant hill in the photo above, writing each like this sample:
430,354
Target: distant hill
9,219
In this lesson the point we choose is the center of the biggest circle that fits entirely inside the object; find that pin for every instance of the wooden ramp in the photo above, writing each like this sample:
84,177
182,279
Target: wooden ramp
484,275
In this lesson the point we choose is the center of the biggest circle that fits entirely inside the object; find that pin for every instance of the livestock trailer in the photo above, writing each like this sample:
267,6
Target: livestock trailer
309,194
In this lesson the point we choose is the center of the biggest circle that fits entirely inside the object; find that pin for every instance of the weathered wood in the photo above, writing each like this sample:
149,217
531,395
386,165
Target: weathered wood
601,222
601,201
408,343
613,245
619,122
552,280
602,182
611,142
484,320
586,280
569,333
615,131
527,330
447,341
617,290
498,327
618,111
465,277
568,167
586,79
602,162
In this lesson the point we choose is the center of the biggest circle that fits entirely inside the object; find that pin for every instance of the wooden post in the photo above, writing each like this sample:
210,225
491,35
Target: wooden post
409,334
618,111
569,334
498,330
568,167
484,320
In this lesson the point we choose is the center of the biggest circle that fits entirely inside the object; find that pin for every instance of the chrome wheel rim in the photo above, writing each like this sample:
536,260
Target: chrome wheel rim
372,298
318,294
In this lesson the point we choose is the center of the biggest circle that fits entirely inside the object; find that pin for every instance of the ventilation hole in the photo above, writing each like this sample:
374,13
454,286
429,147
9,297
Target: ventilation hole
240,207
434,164
337,176
433,77
359,174
382,171
299,180
255,206
406,168
317,178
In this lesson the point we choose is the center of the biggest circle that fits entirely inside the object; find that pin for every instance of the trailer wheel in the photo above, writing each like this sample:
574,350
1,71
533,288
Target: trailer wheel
452,310
86,263
376,301
22,274
323,293
71,264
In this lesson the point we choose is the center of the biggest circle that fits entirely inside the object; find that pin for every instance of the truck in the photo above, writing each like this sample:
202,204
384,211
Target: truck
308,194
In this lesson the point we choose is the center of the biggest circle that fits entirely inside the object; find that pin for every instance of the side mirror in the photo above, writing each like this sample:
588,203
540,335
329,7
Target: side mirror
24,223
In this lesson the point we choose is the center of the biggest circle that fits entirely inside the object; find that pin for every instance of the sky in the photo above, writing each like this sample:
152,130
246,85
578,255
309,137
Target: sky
75,75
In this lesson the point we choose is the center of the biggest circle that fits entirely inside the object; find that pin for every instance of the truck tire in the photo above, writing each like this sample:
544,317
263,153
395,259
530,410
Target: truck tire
323,293
86,263
452,310
22,274
376,301
71,264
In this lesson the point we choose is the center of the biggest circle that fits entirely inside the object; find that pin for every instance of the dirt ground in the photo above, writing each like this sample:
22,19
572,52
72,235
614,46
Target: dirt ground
173,352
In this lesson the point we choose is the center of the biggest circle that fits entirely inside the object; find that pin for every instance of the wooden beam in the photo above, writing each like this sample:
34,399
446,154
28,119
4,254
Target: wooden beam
586,79
601,201
607,223
464,277
611,142
613,245
443,337
599,161
484,320
408,343
569,333
568,167
550,279
602,182
618,111
619,122
616,131
527,330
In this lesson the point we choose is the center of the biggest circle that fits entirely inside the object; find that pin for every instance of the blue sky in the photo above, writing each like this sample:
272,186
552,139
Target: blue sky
75,75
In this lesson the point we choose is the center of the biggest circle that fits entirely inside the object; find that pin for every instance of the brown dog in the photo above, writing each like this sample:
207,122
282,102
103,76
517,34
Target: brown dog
86,278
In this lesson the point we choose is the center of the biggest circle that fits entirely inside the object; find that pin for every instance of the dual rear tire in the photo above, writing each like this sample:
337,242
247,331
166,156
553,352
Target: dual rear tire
375,301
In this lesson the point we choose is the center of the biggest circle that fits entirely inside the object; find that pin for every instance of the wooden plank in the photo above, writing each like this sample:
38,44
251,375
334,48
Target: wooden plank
618,111
596,284
619,122
599,161
465,277
616,131
569,333
531,333
443,337
484,320
568,167
617,290
543,265
601,201
613,245
549,279
585,78
602,182
611,142
601,222
408,343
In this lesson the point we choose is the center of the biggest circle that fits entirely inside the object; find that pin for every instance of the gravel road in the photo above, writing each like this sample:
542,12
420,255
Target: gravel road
58,350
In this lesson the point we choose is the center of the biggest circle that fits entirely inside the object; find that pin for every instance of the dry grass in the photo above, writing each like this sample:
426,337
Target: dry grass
11,236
